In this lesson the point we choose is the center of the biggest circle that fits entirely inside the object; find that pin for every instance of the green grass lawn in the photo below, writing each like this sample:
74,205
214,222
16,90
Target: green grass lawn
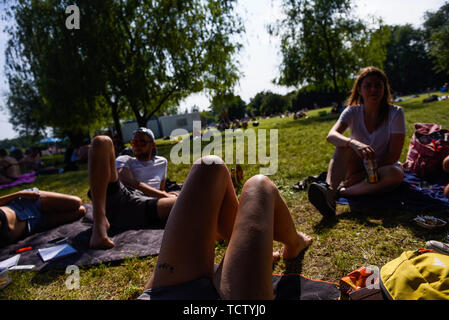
354,239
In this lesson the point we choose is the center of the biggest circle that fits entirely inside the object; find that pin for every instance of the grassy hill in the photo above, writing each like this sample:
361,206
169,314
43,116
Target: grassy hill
354,239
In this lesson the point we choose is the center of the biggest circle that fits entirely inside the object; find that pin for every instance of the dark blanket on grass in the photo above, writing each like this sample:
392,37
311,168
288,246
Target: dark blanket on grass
414,194
130,243
297,287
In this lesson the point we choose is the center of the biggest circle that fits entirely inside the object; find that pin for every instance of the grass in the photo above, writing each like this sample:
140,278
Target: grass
356,238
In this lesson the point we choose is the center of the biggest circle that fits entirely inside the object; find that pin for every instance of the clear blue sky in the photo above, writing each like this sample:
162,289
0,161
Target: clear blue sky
259,58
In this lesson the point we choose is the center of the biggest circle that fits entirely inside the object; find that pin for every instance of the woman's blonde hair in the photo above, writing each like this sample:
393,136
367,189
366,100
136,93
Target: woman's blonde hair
355,99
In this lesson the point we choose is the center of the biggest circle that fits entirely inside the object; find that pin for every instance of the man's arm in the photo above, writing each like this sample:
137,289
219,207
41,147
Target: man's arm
127,178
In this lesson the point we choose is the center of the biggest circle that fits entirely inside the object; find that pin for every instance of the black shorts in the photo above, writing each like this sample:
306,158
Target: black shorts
130,209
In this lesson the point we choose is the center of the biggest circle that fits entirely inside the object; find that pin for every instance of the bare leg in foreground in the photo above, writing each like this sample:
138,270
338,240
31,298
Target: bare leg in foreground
203,209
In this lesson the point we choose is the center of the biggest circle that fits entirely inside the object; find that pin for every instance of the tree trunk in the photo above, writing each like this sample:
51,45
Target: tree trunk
331,58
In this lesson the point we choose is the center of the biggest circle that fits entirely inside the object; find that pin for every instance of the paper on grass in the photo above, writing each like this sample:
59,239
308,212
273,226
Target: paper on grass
55,252
11,262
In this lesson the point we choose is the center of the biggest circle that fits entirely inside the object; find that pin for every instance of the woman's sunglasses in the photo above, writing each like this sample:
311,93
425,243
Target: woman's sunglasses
139,143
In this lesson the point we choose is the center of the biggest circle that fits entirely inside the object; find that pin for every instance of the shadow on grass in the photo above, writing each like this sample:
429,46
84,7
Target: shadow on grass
388,218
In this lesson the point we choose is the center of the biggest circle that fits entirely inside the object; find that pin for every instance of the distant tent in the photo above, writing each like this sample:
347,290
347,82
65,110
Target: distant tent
49,140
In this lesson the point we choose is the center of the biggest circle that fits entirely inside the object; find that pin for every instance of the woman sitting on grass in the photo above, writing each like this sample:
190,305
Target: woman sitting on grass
29,211
377,133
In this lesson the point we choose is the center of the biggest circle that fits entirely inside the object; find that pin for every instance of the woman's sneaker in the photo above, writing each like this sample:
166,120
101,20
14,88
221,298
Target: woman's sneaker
439,247
322,197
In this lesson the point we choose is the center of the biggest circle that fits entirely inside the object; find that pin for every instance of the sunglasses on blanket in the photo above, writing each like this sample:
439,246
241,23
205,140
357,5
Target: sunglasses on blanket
139,143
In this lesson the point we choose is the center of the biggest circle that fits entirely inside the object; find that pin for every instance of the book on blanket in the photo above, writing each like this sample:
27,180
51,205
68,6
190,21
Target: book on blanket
56,252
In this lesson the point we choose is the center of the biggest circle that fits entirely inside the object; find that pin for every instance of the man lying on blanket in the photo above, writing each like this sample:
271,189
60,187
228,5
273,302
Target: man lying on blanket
127,192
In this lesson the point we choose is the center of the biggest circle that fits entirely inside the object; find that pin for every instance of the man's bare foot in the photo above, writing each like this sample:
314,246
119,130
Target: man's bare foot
99,238
291,252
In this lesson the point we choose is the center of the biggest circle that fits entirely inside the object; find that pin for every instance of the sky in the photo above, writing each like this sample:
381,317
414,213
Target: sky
259,59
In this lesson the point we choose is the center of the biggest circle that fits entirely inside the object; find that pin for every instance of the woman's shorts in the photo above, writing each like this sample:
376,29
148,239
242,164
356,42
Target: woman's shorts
199,289
29,211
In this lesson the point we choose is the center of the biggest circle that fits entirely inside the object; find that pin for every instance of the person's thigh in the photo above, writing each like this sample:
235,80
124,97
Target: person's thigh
188,244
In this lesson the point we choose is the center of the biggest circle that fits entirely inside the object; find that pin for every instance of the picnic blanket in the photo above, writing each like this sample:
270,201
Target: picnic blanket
130,243
414,194
24,178
298,287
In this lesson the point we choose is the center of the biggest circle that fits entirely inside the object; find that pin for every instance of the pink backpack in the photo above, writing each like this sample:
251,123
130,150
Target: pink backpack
428,148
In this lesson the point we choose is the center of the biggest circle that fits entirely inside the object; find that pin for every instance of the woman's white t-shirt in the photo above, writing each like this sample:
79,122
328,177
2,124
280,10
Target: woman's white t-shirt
149,172
379,139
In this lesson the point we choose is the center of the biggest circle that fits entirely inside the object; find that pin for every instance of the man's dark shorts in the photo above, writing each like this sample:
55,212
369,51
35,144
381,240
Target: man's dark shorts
130,209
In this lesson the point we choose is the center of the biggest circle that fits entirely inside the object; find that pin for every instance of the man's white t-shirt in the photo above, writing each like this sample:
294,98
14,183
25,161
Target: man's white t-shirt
150,172
379,139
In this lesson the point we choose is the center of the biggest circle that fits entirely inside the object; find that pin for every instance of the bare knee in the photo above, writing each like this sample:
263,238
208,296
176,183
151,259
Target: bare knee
82,211
446,164
209,160
211,164
78,202
261,183
394,175
100,142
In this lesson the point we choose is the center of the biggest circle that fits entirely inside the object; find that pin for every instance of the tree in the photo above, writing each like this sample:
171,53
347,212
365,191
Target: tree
436,26
274,103
323,45
408,65
233,106
66,84
138,57
254,106
168,50
24,106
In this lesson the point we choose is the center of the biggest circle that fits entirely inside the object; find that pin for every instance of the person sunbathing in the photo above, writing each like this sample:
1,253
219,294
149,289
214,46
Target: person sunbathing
127,192
9,168
32,160
207,208
32,210
377,133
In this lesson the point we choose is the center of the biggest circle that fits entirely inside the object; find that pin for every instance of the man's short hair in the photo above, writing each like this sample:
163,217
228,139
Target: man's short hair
146,131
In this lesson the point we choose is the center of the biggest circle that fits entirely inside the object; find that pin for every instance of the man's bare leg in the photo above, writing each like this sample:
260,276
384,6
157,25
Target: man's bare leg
101,172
